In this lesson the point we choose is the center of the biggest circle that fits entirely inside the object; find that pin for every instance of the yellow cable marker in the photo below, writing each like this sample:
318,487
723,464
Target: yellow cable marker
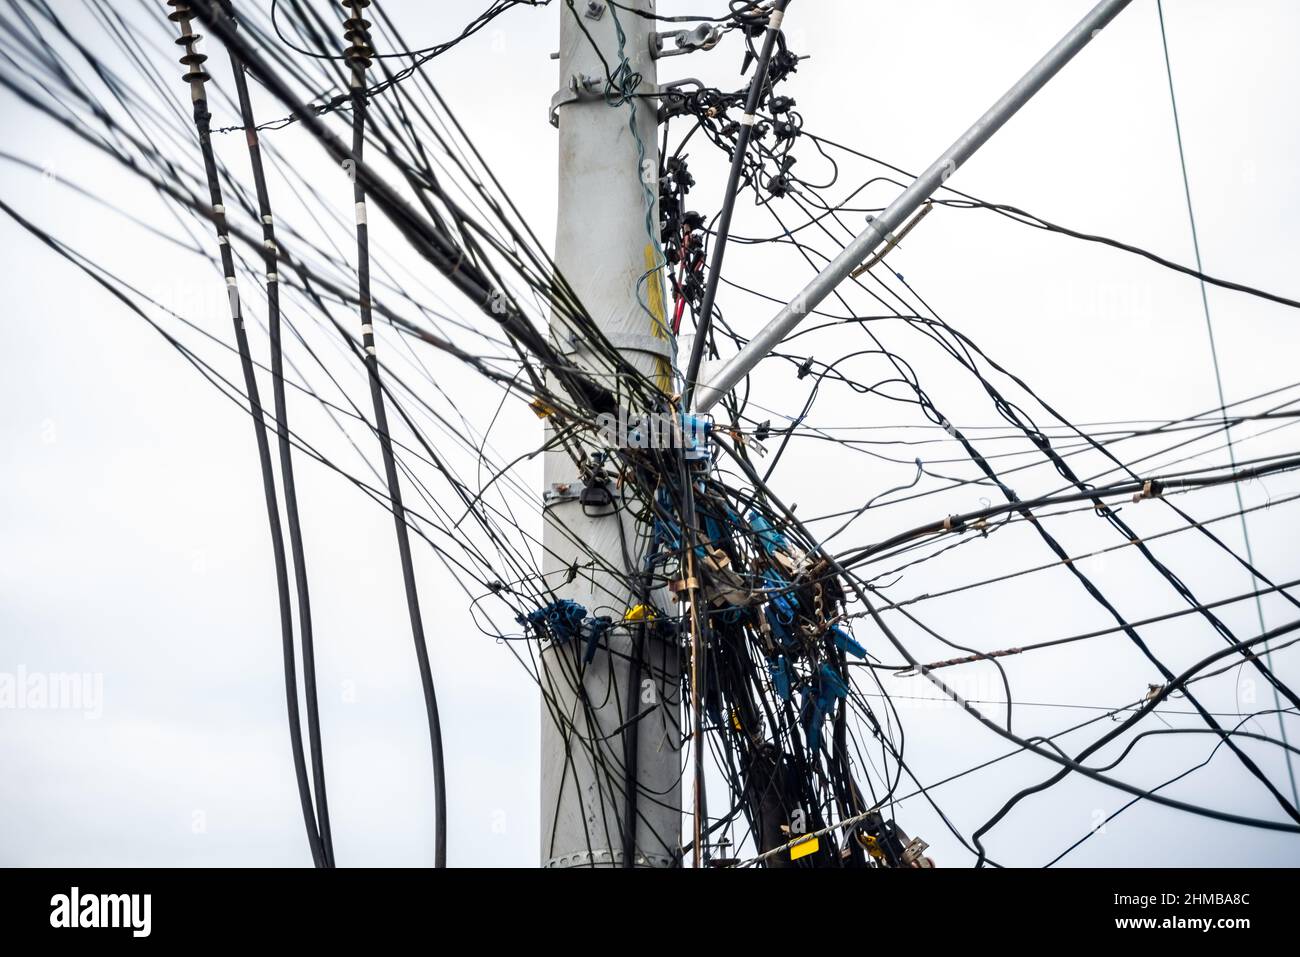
809,845
639,613
659,323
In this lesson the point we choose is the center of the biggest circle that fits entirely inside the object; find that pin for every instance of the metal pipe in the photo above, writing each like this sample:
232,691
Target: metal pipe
757,86
880,228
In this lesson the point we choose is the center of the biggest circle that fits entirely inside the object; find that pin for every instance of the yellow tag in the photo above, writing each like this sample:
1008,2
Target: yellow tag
809,845
659,323
639,613
655,293
541,409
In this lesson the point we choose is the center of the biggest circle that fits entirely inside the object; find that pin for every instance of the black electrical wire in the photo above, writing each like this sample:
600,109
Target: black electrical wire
196,77
360,61
286,460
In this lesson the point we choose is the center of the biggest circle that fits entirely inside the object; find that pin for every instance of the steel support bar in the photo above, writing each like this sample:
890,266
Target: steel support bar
757,87
880,228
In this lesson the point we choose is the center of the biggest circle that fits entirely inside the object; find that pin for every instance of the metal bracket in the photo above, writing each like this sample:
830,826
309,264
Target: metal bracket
560,492
581,88
703,37
607,858
624,342
892,241
912,853
587,88
672,100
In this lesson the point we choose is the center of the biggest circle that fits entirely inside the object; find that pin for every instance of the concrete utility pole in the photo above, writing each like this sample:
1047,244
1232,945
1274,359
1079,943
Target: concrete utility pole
604,247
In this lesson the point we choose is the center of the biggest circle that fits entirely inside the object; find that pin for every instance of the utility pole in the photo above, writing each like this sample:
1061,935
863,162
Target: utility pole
616,717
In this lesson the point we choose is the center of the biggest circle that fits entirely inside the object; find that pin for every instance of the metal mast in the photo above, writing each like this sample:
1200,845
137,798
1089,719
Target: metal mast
615,719
881,229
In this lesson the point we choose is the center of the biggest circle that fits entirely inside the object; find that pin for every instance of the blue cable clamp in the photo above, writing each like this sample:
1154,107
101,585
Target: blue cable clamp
768,537
779,669
828,687
845,642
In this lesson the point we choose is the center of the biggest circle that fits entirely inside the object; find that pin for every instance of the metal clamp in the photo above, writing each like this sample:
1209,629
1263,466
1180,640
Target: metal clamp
605,857
582,88
891,241
673,99
586,88
912,854
560,492
624,342
703,37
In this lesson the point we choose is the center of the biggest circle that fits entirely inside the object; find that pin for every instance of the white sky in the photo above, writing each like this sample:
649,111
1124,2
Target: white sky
134,531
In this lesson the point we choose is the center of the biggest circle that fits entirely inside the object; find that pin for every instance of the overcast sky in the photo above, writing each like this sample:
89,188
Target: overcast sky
135,545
